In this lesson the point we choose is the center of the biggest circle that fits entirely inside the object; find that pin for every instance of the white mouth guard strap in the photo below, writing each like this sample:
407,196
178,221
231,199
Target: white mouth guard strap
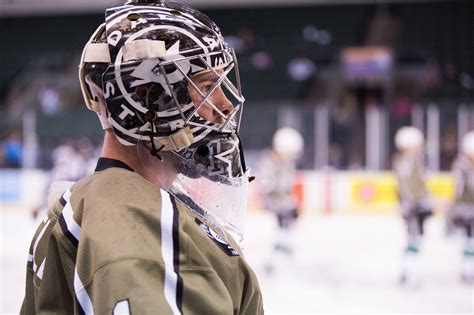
177,141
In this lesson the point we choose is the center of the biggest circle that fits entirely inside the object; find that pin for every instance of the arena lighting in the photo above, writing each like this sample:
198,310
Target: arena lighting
366,63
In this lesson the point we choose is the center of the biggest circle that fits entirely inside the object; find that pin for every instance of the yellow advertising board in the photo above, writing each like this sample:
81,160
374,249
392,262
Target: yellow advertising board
372,192
357,192
377,192
441,186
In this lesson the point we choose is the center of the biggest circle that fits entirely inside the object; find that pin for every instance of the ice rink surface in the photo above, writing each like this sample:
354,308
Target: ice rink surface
341,264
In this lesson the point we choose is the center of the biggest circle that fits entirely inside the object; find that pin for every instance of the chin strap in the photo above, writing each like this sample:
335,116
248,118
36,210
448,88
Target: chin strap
155,151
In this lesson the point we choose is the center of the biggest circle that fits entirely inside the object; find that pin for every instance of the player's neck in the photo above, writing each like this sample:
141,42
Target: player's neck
113,149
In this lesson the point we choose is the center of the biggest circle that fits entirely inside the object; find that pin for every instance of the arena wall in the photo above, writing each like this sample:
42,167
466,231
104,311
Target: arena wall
318,192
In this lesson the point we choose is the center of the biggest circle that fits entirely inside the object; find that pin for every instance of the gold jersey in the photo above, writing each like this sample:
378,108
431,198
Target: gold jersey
463,171
409,171
117,244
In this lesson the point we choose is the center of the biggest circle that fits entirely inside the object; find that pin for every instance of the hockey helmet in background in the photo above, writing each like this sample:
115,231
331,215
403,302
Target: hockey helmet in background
288,143
468,144
408,137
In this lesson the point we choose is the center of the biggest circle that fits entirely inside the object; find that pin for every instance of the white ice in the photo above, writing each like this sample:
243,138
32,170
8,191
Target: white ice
341,264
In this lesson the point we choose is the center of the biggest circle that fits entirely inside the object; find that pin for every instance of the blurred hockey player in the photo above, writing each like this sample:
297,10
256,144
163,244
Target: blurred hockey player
462,212
68,165
155,229
68,162
72,160
277,177
415,203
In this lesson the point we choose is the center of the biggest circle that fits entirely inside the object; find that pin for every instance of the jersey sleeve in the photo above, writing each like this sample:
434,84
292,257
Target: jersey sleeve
252,302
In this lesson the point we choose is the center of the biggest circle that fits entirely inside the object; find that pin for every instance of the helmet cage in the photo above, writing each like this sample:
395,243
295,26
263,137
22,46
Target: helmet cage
234,117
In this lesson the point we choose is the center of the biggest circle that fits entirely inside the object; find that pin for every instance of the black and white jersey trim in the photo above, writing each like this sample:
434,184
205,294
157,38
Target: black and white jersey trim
66,232
72,230
179,288
69,226
170,252
62,201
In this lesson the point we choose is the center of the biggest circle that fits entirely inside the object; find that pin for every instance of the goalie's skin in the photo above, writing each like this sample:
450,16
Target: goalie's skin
122,240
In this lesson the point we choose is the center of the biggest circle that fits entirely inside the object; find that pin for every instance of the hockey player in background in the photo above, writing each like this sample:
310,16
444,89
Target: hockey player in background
71,161
461,214
152,230
276,170
416,204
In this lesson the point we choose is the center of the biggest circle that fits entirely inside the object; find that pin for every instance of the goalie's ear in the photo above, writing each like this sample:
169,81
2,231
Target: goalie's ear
56,189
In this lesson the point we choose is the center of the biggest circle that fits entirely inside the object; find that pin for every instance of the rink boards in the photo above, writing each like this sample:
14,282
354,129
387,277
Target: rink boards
358,192
317,191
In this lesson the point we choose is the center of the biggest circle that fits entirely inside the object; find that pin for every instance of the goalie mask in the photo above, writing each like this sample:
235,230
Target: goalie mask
161,76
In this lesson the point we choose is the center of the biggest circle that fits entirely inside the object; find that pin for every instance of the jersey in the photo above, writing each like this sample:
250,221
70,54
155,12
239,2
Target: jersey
117,244
412,192
276,183
463,171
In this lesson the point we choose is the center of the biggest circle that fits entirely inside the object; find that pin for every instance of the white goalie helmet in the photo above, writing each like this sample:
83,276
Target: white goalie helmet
151,73
288,143
468,143
408,137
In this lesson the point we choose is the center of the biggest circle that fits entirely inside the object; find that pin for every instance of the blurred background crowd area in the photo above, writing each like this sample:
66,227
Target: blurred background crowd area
346,74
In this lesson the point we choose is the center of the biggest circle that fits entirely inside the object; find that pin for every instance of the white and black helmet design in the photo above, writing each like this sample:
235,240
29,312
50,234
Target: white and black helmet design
140,62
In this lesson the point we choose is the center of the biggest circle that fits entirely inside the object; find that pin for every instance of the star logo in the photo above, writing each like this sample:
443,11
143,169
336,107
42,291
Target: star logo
145,71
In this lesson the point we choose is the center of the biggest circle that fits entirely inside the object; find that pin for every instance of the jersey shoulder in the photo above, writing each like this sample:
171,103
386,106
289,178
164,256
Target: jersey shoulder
118,213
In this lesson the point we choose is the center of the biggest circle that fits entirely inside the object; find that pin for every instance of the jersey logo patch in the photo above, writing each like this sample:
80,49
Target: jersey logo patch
218,240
